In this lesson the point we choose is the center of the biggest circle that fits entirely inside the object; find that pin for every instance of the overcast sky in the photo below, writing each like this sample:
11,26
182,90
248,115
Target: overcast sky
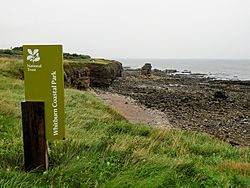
131,28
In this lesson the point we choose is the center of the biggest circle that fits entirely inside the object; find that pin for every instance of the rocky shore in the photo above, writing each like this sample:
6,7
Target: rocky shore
219,108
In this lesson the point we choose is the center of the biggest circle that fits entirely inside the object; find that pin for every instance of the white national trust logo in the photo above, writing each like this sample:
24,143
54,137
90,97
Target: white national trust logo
33,55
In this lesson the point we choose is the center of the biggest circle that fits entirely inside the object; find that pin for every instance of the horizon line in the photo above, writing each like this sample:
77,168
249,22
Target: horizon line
226,58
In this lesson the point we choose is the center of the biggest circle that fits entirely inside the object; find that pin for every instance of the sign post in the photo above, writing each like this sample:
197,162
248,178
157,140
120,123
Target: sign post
44,82
35,143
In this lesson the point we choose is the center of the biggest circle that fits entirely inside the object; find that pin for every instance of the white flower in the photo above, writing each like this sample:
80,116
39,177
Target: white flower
33,56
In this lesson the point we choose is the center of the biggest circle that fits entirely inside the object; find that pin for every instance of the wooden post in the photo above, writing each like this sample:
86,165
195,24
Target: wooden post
35,144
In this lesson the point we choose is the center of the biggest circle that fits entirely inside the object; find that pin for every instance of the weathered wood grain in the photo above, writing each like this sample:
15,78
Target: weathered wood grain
35,144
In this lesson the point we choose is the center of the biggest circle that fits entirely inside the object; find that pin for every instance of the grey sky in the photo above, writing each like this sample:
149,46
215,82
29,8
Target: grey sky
131,28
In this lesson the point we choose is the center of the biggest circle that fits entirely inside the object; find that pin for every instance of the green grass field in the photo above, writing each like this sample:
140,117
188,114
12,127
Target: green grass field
102,149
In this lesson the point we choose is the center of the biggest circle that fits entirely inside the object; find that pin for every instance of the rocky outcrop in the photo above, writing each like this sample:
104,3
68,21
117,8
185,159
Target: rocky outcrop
79,74
102,75
77,77
146,69
92,74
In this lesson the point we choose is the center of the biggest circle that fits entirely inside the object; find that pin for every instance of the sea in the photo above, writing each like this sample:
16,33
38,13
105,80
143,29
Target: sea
222,69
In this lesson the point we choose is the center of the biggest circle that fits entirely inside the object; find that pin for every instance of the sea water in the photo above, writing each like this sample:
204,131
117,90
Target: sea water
225,69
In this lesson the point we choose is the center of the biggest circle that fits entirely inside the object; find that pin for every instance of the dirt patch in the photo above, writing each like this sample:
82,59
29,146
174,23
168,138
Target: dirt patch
132,111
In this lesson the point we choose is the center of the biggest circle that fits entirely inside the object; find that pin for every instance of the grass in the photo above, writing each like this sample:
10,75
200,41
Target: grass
102,149
85,62
19,51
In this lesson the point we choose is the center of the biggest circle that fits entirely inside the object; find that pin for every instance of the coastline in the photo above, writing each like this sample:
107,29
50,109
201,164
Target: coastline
221,69
191,103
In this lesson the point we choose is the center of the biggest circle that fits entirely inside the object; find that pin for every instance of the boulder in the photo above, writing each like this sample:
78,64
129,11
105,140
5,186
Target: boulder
220,95
146,69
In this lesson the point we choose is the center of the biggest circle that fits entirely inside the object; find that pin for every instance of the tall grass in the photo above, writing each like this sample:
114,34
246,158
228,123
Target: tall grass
102,149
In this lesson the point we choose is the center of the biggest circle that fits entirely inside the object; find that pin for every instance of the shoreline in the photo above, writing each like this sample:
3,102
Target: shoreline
189,73
225,69
218,107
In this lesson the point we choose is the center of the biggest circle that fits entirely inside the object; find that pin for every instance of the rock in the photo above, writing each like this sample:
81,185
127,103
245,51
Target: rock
195,107
94,74
77,78
146,69
220,95
102,75
186,72
170,71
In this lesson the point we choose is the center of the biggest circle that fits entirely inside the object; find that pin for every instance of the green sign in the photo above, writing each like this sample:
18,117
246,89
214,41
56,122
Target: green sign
44,81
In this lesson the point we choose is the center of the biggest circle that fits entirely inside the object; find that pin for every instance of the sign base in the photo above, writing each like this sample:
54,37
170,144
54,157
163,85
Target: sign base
35,143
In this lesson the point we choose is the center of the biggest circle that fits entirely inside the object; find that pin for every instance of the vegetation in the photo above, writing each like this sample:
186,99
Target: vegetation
86,62
75,56
11,52
11,67
102,149
19,51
